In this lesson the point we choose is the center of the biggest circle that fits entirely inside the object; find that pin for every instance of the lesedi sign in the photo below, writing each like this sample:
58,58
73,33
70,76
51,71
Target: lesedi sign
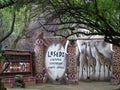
55,61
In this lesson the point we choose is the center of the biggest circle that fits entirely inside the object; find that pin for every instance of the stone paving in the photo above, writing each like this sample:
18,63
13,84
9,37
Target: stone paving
80,86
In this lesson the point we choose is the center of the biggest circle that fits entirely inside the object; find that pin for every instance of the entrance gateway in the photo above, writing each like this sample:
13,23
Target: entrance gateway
66,61
58,63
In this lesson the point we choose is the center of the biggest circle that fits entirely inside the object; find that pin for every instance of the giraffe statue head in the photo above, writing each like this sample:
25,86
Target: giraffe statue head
38,39
39,35
83,47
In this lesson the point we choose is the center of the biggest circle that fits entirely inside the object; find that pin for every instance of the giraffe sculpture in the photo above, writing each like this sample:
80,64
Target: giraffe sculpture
103,61
91,61
84,60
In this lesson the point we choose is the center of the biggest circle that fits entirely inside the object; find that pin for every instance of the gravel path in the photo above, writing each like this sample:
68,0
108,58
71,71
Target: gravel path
80,86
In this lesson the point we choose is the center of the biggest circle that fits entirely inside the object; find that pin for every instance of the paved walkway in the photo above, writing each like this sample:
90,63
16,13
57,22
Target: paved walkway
80,86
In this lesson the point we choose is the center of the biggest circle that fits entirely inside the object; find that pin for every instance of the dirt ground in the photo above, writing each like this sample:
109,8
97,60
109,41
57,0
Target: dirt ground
80,86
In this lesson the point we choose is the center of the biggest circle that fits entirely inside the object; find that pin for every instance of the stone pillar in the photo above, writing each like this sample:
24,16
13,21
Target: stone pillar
115,79
39,57
72,63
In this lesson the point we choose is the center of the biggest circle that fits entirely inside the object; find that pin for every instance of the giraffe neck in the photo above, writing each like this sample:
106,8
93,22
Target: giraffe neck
85,50
90,51
97,51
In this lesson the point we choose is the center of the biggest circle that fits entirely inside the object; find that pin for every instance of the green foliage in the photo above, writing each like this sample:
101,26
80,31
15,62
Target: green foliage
99,12
102,16
7,19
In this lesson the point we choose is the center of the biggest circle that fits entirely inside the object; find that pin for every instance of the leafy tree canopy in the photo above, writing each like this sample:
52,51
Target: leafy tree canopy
102,17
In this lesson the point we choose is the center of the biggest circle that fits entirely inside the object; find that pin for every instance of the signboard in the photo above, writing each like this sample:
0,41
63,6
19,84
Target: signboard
55,61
